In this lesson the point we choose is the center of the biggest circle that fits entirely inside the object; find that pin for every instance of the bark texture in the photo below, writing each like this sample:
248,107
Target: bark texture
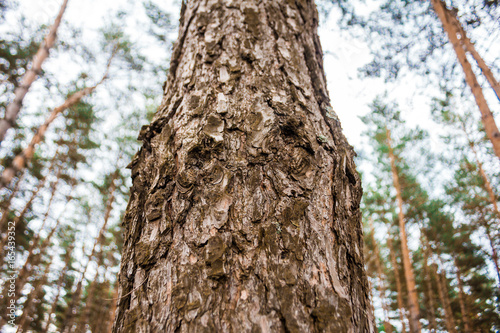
244,211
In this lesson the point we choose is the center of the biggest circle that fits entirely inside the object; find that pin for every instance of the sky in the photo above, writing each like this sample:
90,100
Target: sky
343,55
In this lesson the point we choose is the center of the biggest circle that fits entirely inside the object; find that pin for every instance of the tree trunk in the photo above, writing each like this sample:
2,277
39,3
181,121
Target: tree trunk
6,204
35,294
487,183
399,288
461,298
72,308
381,280
60,281
26,155
33,260
81,327
472,49
428,282
12,110
4,238
407,264
444,297
494,253
23,273
244,211
486,116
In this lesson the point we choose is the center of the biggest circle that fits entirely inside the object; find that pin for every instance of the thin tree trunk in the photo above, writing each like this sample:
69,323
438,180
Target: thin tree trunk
85,316
461,299
253,222
23,274
370,284
472,49
71,311
408,268
444,297
430,295
399,288
60,281
19,218
6,203
33,260
487,183
36,294
494,253
85,313
72,308
381,285
25,156
486,115
12,110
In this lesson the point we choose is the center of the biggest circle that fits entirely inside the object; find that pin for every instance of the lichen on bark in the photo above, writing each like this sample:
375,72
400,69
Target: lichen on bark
240,218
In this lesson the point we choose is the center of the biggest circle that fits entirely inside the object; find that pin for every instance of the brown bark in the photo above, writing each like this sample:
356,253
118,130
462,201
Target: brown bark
461,299
445,301
381,280
407,264
486,115
58,286
12,110
462,35
244,211
26,155
399,288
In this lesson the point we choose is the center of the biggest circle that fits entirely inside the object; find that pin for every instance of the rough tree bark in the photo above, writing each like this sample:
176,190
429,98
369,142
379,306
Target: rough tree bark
244,212
413,304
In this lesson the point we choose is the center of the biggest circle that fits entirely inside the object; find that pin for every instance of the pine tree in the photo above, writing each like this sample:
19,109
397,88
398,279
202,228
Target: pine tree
226,199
